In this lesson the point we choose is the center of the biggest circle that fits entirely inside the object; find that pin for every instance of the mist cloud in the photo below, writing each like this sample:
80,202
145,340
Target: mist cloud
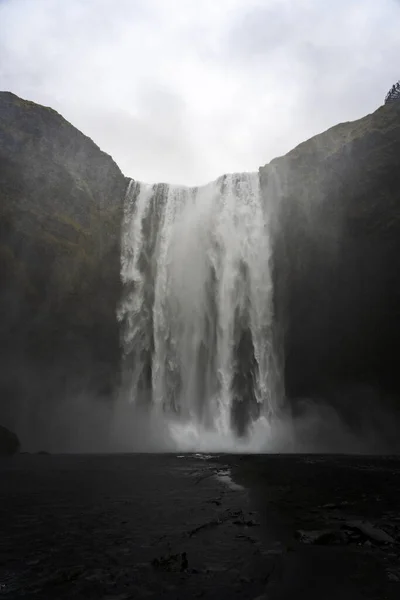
183,91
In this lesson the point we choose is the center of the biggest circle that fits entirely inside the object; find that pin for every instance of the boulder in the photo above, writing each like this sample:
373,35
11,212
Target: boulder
9,442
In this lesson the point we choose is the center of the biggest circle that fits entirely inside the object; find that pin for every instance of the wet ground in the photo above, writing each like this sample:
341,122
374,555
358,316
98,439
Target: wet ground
195,526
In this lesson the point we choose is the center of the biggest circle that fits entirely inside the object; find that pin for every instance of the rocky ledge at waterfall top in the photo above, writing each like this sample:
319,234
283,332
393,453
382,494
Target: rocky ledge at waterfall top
336,259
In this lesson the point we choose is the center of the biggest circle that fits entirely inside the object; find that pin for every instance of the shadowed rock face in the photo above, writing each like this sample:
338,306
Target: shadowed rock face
61,201
337,256
9,443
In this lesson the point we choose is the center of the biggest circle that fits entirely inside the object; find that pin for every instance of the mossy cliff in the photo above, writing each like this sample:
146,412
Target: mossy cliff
61,200
336,256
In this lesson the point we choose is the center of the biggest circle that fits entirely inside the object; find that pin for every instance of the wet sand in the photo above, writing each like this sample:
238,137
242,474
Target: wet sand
162,526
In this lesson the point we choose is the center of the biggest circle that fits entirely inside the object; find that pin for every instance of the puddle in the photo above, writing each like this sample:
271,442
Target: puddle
198,455
225,477
206,456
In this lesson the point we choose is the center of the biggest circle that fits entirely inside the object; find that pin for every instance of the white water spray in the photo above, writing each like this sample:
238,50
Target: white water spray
197,309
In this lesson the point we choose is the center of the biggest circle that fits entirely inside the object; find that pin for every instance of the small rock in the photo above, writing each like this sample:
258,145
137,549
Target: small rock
215,569
215,501
332,505
372,532
248,523
171,562
323,537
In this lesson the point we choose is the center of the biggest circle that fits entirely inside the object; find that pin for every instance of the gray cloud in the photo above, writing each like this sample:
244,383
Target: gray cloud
182,91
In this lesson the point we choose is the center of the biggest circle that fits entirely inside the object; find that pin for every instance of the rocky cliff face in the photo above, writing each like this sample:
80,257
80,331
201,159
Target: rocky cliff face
61,202
336,259
337,256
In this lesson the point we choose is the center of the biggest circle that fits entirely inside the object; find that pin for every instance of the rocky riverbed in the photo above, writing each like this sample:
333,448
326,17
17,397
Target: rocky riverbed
199,526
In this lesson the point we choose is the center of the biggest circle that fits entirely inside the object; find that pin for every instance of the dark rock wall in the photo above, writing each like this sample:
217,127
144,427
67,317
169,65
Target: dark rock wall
61,202
336,224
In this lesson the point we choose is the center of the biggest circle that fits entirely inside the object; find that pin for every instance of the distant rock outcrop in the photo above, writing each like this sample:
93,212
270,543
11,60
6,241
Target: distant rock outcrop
61,202
336,256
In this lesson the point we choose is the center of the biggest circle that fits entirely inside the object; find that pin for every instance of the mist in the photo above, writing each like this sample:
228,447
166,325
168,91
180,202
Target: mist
356,421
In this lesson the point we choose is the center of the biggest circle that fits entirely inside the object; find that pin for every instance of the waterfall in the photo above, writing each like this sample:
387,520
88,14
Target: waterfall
196,313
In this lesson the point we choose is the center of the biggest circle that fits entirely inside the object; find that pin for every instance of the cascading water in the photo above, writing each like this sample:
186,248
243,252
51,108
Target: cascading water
196,311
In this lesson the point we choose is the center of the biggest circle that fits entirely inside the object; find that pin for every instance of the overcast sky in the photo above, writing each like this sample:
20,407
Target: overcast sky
185,90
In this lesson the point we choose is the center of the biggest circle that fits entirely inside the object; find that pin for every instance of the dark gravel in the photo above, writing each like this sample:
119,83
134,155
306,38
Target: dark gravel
136,526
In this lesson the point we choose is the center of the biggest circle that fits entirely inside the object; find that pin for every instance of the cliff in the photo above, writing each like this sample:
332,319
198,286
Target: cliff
61,201
336,257
335,208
